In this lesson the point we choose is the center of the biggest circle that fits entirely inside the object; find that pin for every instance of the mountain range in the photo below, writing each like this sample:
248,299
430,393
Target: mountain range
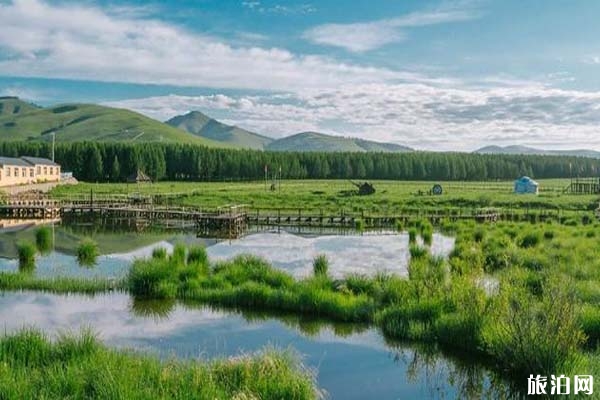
22,121
515,149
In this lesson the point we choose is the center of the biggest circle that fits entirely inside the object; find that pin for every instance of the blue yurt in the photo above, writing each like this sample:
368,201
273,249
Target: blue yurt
526,185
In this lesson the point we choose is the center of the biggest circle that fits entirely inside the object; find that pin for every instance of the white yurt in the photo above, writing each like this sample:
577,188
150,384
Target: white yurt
526,185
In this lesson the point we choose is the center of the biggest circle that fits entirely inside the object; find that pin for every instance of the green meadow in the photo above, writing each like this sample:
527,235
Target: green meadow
337,195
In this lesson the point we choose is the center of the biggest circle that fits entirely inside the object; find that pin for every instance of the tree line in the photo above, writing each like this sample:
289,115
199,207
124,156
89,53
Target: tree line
115,162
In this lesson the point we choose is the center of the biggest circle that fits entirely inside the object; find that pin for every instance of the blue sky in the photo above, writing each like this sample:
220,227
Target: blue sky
440,75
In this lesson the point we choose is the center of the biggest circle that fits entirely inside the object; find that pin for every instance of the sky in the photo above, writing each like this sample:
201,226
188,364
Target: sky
431,74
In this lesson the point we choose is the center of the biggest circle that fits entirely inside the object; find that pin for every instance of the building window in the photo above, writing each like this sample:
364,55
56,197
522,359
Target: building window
7,171
31,174
39,170
24,172
45,170
16,172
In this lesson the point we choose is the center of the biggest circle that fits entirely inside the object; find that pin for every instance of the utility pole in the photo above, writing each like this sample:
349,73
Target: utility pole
53,143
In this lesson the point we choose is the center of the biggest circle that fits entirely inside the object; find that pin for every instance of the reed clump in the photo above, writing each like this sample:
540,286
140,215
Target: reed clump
43,239
320,265
87,252
26,252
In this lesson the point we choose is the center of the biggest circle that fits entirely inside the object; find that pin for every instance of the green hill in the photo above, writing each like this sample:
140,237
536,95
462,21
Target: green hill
14,106
202,125
313,141
79,122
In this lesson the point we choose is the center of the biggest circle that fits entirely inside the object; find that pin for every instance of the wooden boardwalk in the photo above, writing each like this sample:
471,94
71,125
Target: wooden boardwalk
232,221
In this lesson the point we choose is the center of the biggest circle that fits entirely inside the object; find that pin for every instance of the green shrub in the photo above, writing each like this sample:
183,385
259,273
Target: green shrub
320,265
87,252
43,239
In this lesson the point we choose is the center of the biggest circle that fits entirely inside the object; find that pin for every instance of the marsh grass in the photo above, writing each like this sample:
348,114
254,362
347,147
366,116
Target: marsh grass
412,235
427,235
26,254
159,253
87,252
43,239
79,366
12,281
320,265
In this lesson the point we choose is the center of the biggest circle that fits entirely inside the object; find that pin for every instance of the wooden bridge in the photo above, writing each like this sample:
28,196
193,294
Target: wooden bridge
228,221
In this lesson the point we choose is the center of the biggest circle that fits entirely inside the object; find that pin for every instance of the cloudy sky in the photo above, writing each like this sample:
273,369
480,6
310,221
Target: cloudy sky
432,74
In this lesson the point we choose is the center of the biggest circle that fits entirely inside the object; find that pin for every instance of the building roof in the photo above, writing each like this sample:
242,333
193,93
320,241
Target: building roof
40,161
139,176
526,179
14,161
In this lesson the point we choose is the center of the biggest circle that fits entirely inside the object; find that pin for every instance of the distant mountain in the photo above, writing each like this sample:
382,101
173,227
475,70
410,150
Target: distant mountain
314,141
202,125
10,105
79,122
531,150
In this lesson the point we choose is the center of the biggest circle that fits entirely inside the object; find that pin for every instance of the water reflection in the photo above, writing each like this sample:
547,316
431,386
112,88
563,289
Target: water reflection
352,361
366,253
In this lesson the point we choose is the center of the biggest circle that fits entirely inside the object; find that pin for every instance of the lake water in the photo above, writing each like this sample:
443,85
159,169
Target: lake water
350,362
367,253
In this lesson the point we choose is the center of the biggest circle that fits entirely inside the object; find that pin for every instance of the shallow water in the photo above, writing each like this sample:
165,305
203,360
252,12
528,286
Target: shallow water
351,362
367,254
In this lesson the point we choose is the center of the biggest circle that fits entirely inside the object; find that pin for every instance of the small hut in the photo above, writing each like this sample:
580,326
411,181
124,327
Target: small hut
525,185
139,177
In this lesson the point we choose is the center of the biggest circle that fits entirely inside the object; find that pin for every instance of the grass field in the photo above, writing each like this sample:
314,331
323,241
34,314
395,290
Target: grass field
80,367
335,195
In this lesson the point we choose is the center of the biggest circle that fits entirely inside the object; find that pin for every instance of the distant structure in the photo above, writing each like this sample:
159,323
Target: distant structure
584,186
27,170
364,188
525,185
139,177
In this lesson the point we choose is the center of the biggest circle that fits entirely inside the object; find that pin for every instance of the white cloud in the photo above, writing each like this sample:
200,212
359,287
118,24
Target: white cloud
38,39
279,8
422,115
364,36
